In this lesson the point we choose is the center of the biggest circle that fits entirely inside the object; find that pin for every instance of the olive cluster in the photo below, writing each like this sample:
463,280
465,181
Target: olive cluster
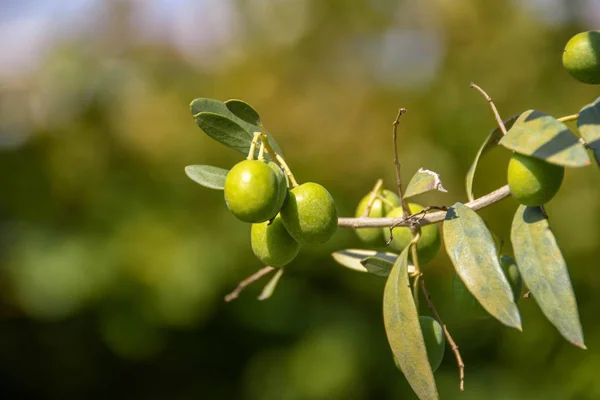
256,191
388,204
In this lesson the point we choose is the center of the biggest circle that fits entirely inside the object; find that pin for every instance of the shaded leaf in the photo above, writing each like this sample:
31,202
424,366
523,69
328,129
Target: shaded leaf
354,258
472,250
403,330
543,136
380,267
589,127
489,143
271,286
243,111
225,131
207,175
424,181
544,271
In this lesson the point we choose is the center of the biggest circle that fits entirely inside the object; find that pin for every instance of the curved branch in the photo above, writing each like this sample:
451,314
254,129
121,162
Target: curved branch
419,219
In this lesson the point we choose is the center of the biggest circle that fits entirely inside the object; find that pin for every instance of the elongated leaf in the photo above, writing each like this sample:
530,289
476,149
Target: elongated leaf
489,143
380,267
403,330
243,111
225,131
543,136
472,250
270,287
589,127
207,175
201,105
544,271
354,258
424,181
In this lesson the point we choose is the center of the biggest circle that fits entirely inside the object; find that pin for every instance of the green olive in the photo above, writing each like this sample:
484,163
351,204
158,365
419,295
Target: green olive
309,214
252,191
435,342
428,245
283,188
532,181
374,236
581,57
272,243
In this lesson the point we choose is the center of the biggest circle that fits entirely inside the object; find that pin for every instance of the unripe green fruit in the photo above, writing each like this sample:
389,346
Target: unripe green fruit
532,181
283,188
581,57
374,236
309,214
428,245
272,244
252,191
468,305
435,342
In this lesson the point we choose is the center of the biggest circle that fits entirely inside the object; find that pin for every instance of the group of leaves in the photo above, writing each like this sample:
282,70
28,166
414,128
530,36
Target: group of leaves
473,250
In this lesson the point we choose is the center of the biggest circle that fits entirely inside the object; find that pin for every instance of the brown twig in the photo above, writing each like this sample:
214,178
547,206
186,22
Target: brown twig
493,106
427,219
247,282
405,208
451,342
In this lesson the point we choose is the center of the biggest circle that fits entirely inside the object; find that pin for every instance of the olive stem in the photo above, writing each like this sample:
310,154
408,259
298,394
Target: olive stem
261,151
567,118
386,201
493,107
405,208
253,145
247,282
269,150
373,196
451,342
415,259
427,219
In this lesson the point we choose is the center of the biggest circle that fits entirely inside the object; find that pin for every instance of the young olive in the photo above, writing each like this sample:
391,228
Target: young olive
581,57
374,237
532,181
272,243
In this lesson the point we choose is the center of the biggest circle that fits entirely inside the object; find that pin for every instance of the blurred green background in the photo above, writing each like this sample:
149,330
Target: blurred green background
113,264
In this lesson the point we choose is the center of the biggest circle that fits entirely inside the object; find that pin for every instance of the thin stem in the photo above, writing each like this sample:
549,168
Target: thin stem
567,118
373,196
451,342
427,219
493,106
261,151
405,208
269,150
386,201
253,145
415,259
247,282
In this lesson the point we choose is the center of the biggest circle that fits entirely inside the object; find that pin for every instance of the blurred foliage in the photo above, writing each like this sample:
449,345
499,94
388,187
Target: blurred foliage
114,264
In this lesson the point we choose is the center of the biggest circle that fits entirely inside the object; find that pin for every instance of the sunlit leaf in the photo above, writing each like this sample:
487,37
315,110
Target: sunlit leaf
354,259
543,136
489,143
225,131
271,285
472,250
544,271
244,111
207,175
403,330
589,127
422,182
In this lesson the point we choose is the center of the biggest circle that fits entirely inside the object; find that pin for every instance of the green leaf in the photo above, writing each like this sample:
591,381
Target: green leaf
207,175
543,136
354,258
224,131
403,330
472,250
270,287
544,271
589,127
489,143
380,267
424,181
243,111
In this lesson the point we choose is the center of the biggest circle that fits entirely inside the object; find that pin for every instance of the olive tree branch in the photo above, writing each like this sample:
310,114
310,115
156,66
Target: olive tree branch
493,106
247,282
418,219
405,208
451,342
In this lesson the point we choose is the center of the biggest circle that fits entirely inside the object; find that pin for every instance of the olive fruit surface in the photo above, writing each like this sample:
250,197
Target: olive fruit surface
309,214
435,342
428,245
272,244
282,180
532,181
374,236
252,191
581,57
